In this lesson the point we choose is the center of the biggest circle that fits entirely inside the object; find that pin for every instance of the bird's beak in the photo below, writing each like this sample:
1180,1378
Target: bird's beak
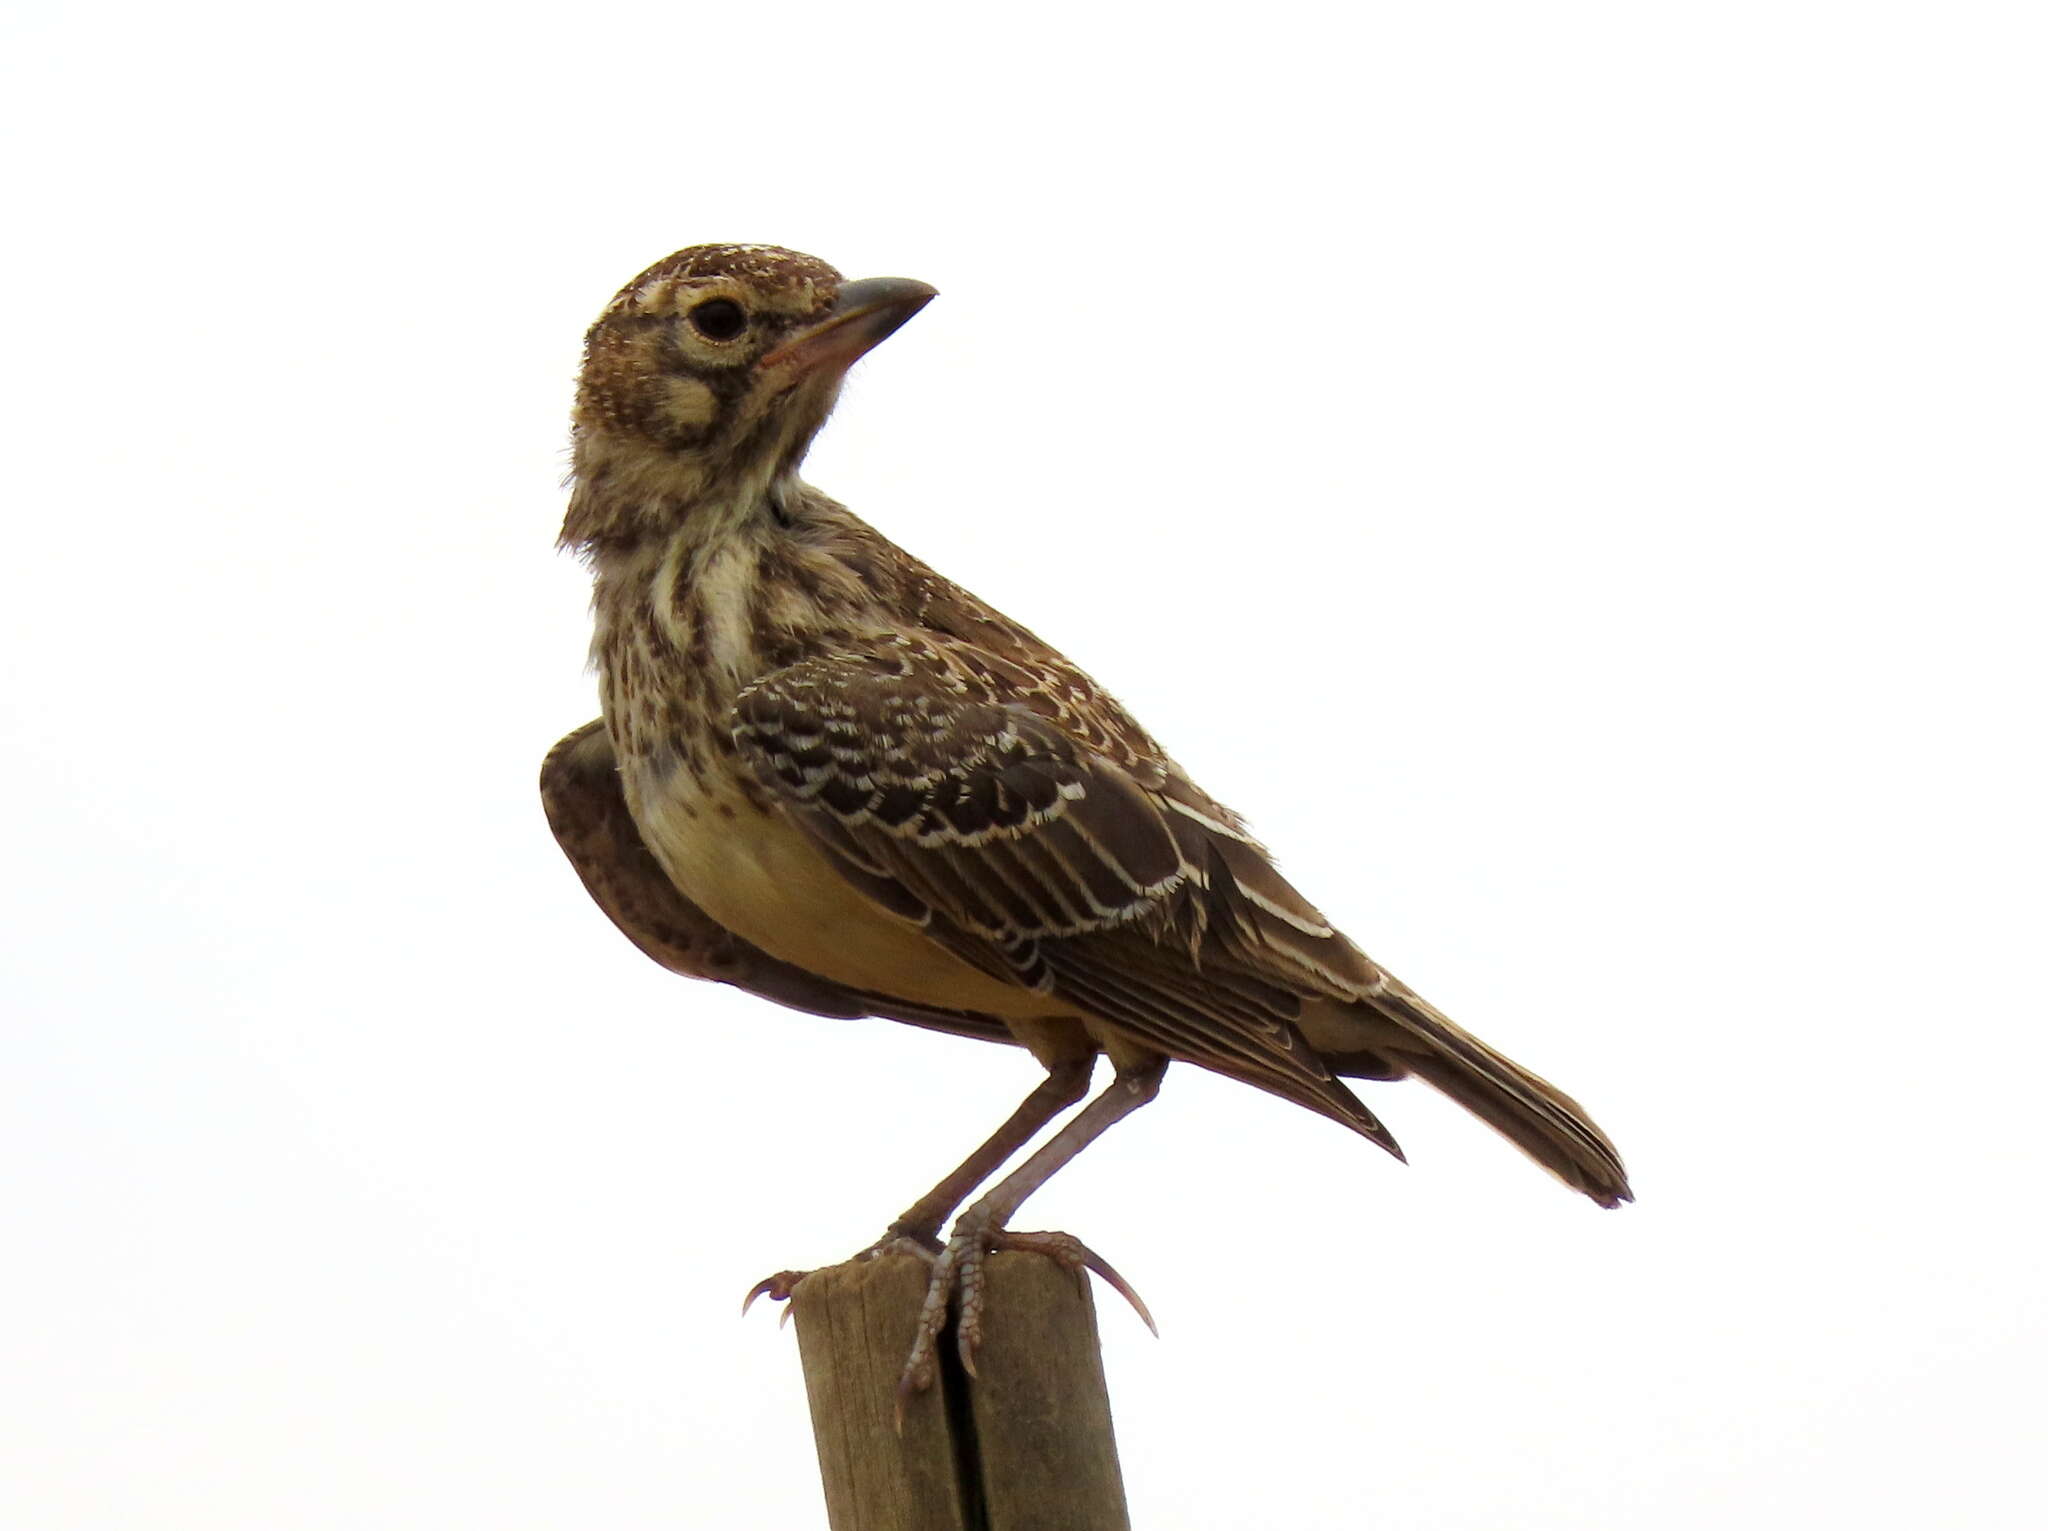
867,313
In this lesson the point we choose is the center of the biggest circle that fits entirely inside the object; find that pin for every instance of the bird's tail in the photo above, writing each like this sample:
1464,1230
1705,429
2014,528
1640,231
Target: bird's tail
1533,1114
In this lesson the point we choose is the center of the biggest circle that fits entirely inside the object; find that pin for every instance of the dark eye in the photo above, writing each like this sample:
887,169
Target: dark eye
720,319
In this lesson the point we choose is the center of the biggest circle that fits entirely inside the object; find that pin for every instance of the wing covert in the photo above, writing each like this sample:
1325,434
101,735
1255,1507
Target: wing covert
977,808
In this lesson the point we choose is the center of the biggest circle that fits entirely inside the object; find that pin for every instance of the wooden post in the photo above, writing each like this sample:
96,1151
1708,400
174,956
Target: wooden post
1025,1446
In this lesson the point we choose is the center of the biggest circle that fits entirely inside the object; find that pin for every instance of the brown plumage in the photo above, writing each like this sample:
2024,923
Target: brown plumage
831,777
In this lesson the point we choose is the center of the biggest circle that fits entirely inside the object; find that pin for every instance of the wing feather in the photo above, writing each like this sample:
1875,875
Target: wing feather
982,809
1026,849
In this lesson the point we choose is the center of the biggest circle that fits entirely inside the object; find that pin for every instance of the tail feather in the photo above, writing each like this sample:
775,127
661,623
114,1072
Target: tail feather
1533,1114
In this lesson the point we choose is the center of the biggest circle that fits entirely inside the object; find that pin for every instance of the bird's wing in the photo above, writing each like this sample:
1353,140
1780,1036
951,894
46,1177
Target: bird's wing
586,808
1053,852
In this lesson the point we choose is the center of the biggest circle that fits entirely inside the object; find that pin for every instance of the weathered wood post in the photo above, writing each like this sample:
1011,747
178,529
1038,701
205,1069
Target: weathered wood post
1024,1446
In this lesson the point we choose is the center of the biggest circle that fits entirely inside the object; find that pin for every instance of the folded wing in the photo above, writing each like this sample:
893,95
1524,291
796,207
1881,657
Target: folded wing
1047,855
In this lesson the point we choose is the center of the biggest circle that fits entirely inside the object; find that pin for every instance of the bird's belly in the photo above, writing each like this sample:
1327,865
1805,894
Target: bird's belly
763,879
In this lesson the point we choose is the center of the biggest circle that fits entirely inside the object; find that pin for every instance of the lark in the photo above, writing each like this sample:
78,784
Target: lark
831,777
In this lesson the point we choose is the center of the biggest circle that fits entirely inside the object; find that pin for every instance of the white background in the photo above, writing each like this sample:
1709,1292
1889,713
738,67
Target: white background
1570,473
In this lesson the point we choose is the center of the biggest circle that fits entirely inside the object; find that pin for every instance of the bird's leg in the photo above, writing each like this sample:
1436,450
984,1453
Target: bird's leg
980,1230
1063,1085
916,1231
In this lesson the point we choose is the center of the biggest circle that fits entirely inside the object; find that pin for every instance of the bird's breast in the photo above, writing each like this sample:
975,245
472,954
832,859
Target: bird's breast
680,632
757,873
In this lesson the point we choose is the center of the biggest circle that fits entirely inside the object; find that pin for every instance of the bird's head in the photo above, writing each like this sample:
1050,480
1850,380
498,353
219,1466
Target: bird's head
705,379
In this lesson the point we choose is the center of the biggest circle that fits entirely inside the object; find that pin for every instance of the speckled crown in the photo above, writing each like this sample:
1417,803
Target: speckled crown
787,279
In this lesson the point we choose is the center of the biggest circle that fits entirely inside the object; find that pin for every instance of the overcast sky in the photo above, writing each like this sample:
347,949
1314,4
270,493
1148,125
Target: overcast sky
1571,474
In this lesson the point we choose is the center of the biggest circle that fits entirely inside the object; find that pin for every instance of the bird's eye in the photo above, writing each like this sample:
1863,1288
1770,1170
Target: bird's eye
719,319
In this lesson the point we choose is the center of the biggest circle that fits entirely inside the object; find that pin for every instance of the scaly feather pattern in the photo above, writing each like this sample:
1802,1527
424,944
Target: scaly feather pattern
831,776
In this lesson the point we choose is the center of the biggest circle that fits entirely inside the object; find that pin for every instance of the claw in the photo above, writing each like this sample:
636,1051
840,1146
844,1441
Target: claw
967,1331
1075,1256
922,1366
909,1386
779,1287
960,1270
776,1288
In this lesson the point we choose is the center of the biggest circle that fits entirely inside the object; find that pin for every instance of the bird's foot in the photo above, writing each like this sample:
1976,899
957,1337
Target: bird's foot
960,1270
782,1285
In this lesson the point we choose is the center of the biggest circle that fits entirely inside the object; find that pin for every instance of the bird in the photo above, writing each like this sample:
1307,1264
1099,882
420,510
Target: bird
828,776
